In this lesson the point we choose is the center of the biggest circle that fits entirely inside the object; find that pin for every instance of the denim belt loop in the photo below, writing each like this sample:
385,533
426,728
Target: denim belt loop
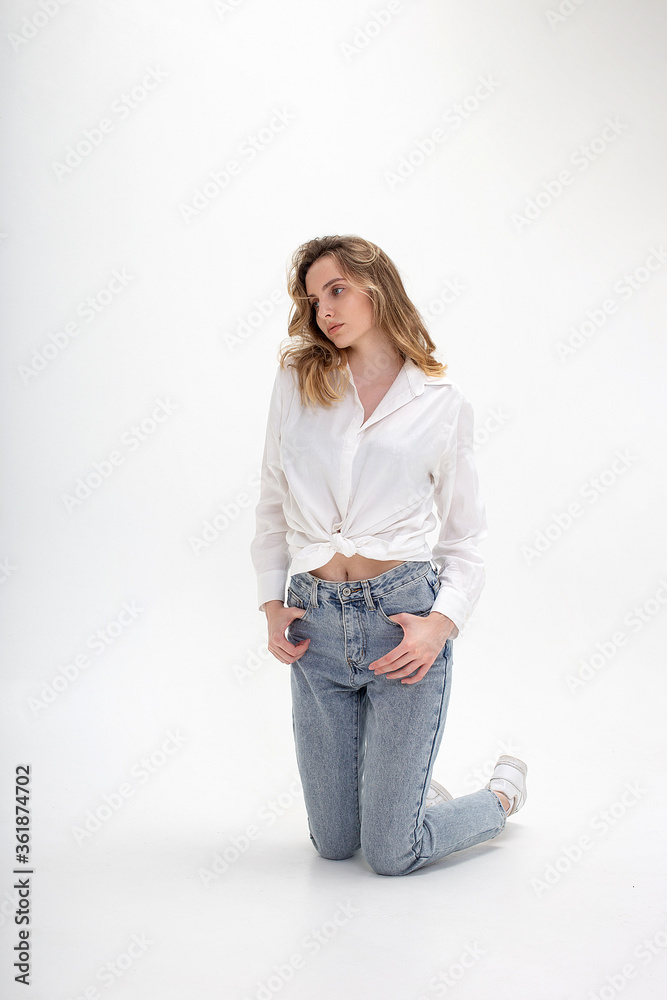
313,593
367,594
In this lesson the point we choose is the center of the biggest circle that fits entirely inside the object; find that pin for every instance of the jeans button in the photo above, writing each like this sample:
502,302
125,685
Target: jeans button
346,591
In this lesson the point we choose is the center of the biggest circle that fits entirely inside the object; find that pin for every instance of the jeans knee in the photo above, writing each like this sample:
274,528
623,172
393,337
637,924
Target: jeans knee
334,852
387,862
388,866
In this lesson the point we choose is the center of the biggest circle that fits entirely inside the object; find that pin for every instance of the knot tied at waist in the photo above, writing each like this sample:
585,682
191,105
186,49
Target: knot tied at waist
344,545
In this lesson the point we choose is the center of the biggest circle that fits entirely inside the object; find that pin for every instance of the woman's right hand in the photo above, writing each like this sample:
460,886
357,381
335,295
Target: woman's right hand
278,617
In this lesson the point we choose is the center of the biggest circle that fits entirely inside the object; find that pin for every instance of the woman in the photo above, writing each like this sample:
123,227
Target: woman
364,433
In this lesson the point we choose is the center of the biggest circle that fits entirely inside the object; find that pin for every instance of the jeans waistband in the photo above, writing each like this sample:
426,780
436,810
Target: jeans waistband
313,590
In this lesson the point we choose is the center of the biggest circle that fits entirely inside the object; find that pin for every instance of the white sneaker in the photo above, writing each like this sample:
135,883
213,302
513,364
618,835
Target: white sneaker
437,793
509,777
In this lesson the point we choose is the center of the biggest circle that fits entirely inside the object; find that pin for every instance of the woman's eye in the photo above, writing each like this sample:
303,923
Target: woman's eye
338,288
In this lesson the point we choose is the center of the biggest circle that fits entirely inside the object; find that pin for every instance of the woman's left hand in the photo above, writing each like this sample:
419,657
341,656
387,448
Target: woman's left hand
423,638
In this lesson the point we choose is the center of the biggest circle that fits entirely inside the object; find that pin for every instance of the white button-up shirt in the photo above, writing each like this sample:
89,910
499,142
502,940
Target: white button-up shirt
334,482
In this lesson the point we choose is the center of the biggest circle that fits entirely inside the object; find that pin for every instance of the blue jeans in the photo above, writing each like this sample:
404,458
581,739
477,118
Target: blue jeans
366,744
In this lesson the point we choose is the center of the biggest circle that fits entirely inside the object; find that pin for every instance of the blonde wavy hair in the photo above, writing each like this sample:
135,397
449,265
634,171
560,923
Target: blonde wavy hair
320,365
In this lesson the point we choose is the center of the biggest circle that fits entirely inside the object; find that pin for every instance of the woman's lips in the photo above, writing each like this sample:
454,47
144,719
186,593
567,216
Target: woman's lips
336,326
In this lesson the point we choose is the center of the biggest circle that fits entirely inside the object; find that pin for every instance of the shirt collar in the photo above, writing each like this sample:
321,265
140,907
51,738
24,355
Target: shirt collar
417,378
412,376
409,383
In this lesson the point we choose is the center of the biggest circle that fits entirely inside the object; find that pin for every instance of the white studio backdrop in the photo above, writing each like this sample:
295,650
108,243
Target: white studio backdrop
162,161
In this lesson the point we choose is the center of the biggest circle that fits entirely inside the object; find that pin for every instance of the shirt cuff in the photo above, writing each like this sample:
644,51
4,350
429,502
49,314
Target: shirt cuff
271,586
452,604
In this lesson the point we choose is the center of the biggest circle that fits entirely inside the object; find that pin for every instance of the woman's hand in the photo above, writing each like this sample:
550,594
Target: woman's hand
423,638
278,617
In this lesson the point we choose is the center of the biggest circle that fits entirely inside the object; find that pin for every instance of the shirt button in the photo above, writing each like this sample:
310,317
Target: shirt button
346,591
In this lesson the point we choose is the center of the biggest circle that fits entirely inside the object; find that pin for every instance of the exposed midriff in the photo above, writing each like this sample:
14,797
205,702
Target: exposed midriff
354,567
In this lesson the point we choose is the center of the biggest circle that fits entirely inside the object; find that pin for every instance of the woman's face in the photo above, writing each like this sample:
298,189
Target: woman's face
343,314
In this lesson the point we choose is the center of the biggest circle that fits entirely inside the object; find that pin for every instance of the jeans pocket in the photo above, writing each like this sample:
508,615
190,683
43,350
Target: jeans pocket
433,581
416,597
295,600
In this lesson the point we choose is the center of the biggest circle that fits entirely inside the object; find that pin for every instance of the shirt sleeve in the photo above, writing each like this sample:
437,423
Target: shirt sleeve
268,549
463,525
